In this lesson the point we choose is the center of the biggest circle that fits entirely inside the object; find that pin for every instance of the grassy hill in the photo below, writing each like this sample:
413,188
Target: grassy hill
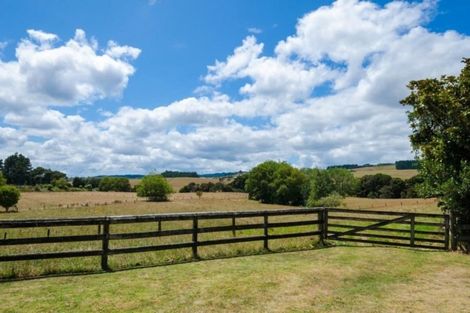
339,279
384,169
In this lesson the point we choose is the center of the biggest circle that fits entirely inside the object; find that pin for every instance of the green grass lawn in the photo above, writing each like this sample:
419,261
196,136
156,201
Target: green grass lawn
338,279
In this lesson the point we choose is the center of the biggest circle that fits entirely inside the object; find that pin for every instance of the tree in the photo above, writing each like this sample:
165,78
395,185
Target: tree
17,169
3,181
154,187
440,122
276,182
115,184
370,186
9,196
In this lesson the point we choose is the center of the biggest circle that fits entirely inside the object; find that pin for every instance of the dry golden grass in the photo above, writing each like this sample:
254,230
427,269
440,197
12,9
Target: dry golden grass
402,205
70,204
386,169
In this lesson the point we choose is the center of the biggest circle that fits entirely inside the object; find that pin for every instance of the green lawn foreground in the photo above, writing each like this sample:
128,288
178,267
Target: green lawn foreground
337,279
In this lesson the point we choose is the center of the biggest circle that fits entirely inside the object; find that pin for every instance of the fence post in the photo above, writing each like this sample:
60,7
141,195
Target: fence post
195,239
446,231
321,225
105,245
159,226
453,232
412,230
265,226
325,223
234,234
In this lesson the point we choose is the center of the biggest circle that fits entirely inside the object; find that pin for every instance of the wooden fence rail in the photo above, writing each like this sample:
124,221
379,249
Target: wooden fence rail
106,236
417,230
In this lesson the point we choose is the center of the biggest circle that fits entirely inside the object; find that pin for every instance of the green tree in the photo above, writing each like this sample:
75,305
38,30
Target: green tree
17,169
276,182
335,181
9,196
154,187
439,117
3,181
115,184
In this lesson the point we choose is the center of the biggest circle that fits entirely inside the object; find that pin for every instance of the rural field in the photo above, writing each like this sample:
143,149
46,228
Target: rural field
236,277
384,169
339,279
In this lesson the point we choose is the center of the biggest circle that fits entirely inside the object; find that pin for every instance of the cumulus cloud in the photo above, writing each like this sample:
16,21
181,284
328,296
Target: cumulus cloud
45,74
327,94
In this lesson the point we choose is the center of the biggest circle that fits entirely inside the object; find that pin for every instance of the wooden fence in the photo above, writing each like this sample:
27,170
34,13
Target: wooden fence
416,230
106,236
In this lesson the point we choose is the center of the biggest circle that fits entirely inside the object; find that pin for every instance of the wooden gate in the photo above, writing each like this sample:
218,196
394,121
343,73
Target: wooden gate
419,230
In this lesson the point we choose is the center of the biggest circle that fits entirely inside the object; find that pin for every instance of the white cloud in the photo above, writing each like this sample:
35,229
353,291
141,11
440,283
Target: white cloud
70,74
255,30
329,94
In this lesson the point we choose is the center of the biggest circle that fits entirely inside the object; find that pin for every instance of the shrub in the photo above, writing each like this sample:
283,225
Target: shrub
331,201
154,187
115,184
9,196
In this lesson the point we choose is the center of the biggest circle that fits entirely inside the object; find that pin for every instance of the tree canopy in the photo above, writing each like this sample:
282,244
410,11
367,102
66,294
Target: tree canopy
276,182
154,187
440,122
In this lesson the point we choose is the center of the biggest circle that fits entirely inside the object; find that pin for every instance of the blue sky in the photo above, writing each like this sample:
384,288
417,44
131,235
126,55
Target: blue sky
231,116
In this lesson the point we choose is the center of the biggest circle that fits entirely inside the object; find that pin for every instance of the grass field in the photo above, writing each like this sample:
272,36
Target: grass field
385,169
339,279
80,204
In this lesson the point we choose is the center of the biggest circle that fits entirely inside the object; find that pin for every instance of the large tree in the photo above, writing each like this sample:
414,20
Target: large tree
440,122
276,182
17,169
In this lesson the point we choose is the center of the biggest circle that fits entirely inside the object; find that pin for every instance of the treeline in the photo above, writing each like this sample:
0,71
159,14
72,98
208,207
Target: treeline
399,165
279,182
236,185
17,170
168,174
102,183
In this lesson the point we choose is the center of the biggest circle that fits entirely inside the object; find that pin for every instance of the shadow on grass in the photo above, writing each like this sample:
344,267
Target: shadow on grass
316,246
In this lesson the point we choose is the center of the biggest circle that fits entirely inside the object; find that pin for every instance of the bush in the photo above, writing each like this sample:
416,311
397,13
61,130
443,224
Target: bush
154,187
9,196
115,184
276,182
331,201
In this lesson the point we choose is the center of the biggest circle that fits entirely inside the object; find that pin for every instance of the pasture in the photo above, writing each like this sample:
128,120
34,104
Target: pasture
236,277
340,279
384,169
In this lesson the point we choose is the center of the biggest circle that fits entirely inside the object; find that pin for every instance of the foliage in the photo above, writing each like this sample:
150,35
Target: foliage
330,201
40,175
61,183
276,182
3,181
154,187
238,183
179,174
115,184
206,187
440,122
407,165
9,196
199,193
323,183
17,169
